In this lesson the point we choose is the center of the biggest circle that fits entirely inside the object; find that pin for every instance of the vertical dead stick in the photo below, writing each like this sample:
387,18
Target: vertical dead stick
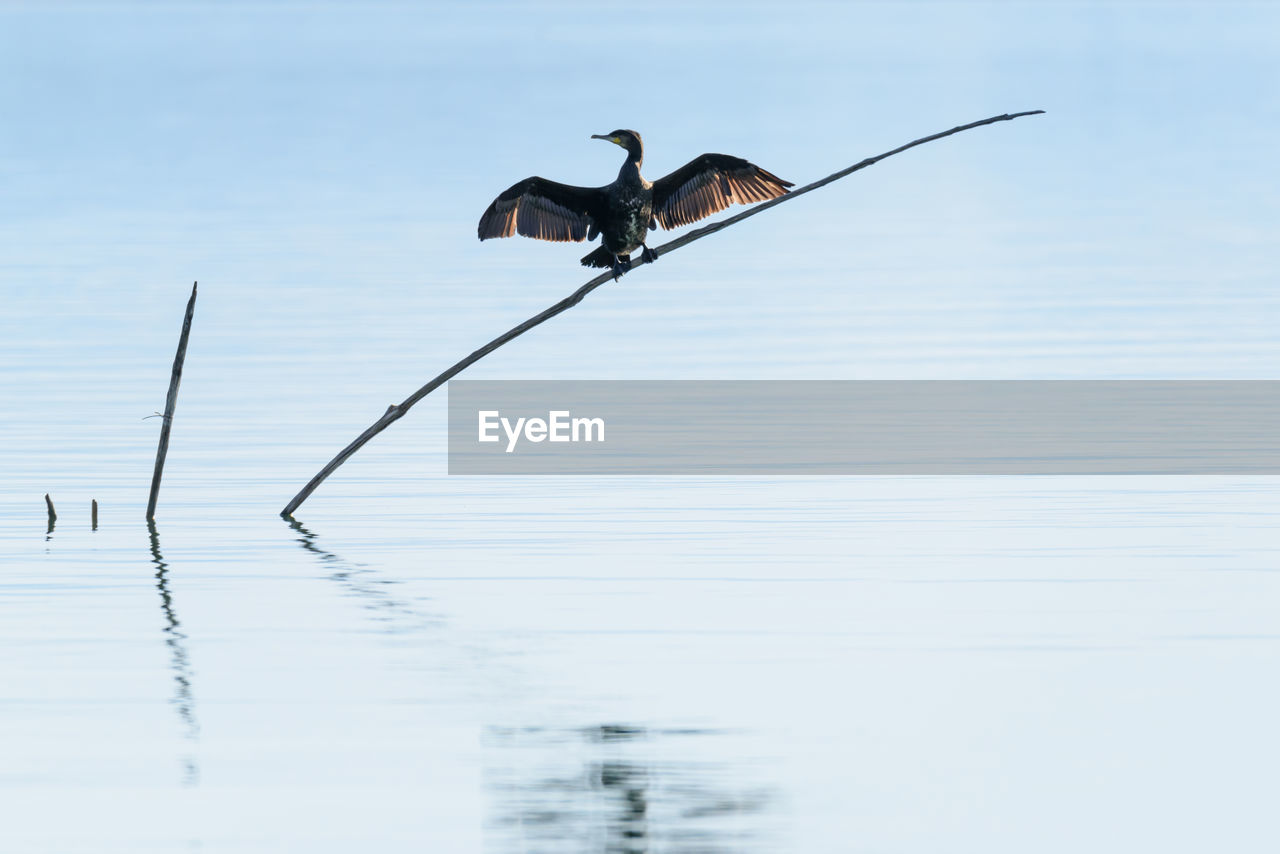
171,403
53,517
94,514
397,411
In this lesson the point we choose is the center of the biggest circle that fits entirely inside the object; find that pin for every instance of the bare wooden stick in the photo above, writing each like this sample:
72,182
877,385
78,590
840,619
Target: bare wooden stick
53,517
397,411
93,514
171,403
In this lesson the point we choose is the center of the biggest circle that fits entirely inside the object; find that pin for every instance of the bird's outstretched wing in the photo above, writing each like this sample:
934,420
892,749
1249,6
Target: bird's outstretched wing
543,209
709,184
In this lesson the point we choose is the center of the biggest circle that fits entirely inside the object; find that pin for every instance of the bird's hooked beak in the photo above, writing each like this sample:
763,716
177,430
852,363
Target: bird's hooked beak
616,140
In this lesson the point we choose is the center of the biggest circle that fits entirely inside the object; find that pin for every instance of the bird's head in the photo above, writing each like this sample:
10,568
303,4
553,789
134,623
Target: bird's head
628,139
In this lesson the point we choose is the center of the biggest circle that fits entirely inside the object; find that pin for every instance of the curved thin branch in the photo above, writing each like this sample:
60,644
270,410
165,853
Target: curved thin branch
396,411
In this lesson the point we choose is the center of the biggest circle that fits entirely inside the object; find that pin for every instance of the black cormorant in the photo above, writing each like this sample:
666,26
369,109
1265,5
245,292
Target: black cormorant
623,212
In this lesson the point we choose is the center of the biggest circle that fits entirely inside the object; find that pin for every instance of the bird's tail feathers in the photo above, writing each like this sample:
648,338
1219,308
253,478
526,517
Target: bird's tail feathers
603,258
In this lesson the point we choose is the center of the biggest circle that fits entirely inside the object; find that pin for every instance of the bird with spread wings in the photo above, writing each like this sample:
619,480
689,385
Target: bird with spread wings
623,213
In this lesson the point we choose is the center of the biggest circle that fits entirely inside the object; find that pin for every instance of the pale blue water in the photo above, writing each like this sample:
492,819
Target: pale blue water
614,664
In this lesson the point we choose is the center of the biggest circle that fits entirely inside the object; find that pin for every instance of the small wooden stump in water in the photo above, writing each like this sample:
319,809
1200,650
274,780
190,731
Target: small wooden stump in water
94,514
53,517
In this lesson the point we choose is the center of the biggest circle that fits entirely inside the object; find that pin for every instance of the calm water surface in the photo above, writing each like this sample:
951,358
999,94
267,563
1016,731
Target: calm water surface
421,662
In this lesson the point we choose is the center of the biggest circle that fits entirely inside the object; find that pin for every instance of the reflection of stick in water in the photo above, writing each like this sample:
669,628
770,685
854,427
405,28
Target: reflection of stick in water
395,615
621,789
179,662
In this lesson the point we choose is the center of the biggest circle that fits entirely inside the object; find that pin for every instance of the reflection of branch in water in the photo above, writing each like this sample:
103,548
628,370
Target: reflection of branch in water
396,615
179,662
616,798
